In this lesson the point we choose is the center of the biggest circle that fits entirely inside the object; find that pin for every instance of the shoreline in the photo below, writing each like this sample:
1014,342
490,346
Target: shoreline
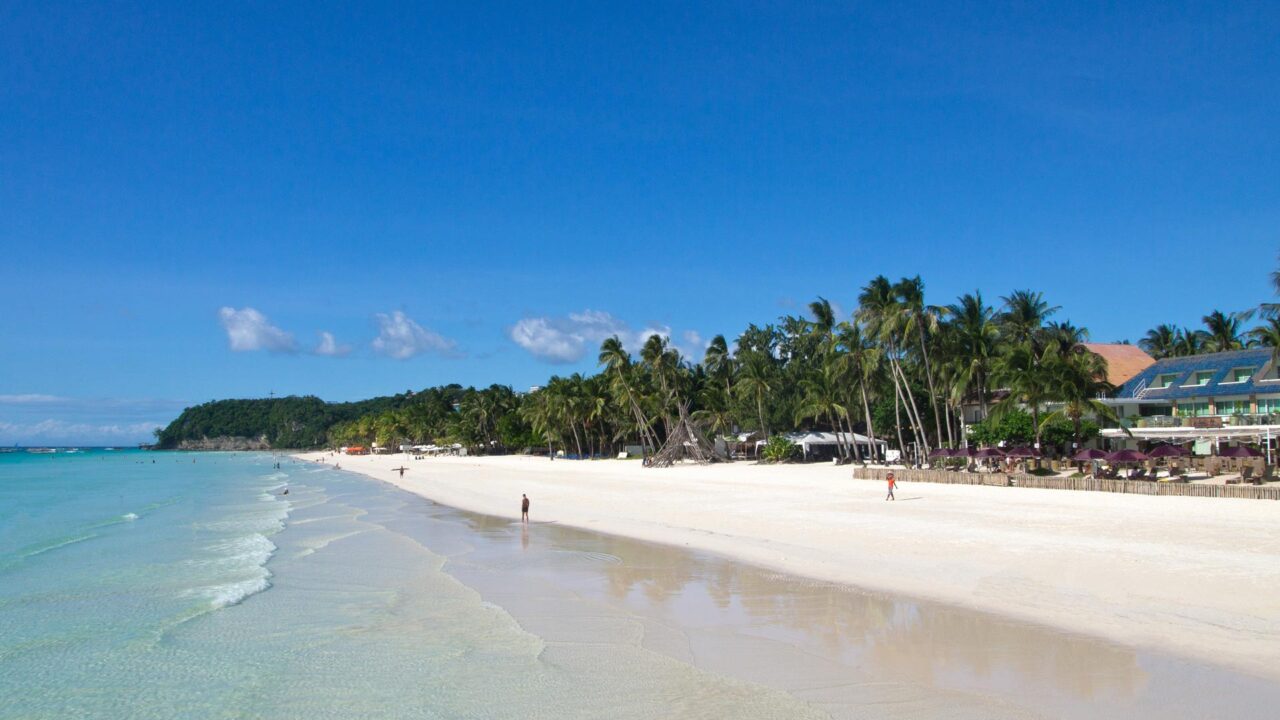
1195,577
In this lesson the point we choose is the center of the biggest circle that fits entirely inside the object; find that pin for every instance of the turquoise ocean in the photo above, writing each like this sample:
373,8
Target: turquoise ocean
164,585
188,585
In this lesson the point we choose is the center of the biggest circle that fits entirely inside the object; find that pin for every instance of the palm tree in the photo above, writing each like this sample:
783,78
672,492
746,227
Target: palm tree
878,307
1222,332
617,360
859,363
1267,334
1061,338
976,342
824,329
719,362
924,318
1191,342
663,363
1023,373
536,411
820,401
1024,315
756,383
1162,341
1078,380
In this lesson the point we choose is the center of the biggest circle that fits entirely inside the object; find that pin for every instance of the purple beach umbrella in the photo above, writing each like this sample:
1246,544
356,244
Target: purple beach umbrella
1022,452
1126,456
1168,451
1089,454
942,453
989,453
1240,451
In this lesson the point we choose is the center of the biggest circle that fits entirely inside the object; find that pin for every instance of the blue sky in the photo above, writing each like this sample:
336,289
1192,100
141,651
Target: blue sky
190,194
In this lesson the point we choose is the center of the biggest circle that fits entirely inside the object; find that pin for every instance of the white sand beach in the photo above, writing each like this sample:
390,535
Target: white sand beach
1197,577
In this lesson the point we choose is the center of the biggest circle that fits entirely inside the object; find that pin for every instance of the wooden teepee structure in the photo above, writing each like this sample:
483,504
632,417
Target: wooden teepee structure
685,442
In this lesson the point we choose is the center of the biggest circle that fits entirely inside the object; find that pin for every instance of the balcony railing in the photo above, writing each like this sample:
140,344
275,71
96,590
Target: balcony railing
1167,421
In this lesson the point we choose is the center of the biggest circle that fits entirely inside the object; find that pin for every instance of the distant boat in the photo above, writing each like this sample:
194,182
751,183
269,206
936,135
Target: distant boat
108,448
42,451
73,450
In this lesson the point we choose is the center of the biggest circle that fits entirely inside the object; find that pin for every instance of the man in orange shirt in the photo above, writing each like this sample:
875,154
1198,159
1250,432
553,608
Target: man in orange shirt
892,484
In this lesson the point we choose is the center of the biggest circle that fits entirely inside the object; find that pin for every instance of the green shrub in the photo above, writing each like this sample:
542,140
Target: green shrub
778,449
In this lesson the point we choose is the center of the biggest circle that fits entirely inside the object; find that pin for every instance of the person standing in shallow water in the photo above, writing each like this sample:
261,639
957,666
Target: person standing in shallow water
524,508
892,484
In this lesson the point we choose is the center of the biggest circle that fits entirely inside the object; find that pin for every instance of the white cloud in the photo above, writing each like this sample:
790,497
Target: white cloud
694,341
30,399
567,340
62,432
402,338
544,341
248,330
329,346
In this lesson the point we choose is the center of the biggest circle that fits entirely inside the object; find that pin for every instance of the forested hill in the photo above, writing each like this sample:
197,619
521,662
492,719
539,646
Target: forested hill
288,422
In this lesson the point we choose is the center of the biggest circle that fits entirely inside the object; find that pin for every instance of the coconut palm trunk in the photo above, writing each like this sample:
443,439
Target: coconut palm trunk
871,430
928,374
909,402
897,420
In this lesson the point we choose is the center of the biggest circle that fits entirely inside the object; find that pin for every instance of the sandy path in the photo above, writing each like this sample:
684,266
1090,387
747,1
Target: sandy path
1195,576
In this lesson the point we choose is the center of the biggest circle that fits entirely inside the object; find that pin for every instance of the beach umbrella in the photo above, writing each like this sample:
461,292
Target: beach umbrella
1126,456
1168,451
1023,452
1089,454
1240,451
989,453
942,453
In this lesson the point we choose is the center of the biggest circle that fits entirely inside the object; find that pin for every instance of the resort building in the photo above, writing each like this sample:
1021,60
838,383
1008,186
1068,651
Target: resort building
1124,363
1209,398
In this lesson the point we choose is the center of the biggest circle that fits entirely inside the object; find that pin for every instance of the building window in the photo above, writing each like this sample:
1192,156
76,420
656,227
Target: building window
1164,381
1200,379
1239,375
1233,407
1269,406
1193,409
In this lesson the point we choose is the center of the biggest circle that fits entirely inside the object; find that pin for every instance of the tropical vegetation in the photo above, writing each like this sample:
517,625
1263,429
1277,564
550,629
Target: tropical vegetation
897,369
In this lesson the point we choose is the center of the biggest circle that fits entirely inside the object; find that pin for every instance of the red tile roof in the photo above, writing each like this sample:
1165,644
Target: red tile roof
1123,361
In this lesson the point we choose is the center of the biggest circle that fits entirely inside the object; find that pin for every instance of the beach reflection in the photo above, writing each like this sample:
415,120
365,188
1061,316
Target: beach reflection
885,637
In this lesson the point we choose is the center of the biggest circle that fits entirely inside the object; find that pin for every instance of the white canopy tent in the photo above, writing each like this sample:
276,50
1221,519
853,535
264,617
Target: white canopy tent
809,442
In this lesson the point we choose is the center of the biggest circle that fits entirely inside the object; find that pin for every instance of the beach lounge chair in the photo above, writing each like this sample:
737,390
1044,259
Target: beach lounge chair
1246,474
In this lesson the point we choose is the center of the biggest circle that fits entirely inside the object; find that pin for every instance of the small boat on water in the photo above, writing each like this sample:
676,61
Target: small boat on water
42,451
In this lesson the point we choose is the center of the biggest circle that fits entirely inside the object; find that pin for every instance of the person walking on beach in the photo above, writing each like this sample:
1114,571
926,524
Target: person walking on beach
524,508
892,484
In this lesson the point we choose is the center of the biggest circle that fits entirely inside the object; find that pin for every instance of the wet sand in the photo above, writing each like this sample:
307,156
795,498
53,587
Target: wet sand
1197,578
844,652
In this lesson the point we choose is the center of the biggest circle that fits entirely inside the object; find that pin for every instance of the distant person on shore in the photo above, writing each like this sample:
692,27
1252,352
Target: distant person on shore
524,508
892,484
